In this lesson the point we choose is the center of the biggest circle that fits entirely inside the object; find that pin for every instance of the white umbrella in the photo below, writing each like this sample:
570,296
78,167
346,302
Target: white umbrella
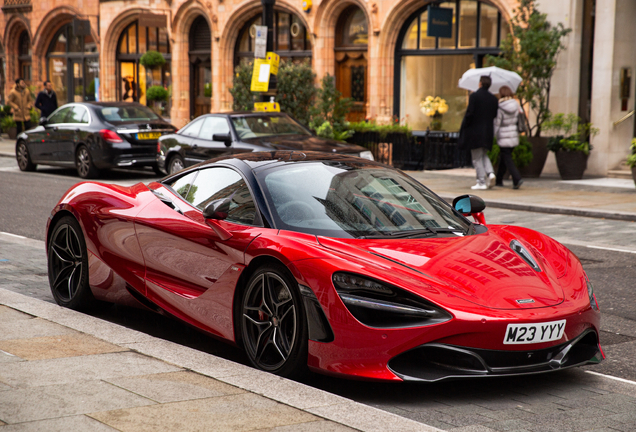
500,77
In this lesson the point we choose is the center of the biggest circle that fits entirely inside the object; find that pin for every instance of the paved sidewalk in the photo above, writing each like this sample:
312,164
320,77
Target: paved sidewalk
62,370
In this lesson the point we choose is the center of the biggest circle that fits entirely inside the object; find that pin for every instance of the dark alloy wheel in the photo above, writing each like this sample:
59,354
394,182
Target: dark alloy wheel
273,324
176,164
84,164
23,157
68,266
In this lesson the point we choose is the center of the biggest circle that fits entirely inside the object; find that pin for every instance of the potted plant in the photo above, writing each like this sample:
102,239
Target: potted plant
434,107
631,160
521,155
157,94
571,145
531,50
9,127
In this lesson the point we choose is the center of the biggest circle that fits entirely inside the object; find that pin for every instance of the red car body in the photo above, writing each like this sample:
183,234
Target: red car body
142,252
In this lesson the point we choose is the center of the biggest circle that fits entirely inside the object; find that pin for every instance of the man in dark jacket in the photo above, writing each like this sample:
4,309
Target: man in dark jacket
46,101
477,131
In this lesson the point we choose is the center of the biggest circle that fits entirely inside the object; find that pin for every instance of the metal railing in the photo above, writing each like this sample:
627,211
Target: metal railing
625,117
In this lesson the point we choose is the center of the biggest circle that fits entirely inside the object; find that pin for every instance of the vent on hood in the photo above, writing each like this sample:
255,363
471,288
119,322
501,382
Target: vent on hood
524,254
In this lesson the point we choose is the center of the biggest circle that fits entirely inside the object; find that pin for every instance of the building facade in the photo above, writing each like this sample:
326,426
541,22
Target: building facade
378,50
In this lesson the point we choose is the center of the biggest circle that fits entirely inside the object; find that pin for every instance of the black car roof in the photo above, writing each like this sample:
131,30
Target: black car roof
246,114
113,104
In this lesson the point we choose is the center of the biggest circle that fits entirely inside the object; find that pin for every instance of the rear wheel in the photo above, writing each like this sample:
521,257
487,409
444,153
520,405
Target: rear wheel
176,164
273,324
23,157
84,164
68,266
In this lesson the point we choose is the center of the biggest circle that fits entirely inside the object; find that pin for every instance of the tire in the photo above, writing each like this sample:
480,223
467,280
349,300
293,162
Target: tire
273,322
175,164
68,266
23,157
84,164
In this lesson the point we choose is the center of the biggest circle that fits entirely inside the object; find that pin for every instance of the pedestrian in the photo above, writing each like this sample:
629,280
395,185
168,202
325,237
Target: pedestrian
507,133
46,101
21,102
476,132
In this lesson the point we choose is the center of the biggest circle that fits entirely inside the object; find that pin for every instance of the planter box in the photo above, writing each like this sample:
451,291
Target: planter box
539,156
12,132
571,164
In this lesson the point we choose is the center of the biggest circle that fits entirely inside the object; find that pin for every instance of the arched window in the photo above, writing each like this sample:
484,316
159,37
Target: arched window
352,35
24,56
73,66
291,39
134,79
200,46
431,66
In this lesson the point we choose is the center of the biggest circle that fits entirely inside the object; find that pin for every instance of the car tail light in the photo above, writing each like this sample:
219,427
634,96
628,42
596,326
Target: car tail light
110,136
380,305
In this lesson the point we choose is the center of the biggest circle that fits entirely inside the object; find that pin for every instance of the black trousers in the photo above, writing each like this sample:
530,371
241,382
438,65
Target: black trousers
505,162
27,126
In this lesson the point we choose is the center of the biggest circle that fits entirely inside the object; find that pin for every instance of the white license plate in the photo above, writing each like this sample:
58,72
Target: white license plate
534,333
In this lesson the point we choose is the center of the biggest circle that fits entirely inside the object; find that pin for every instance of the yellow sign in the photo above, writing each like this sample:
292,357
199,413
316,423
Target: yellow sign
273,59
260,75
267,106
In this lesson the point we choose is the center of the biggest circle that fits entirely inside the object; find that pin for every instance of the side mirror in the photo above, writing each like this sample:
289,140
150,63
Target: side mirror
217,209
224,138
470,205
43,121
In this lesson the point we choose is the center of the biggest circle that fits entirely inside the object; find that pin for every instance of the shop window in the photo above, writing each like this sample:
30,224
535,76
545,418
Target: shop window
73,66
352,36
431,66
134,79
200,47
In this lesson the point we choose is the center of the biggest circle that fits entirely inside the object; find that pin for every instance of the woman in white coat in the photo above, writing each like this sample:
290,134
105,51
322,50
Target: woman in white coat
507,134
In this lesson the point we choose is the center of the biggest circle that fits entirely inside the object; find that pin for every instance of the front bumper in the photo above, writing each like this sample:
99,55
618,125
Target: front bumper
436,361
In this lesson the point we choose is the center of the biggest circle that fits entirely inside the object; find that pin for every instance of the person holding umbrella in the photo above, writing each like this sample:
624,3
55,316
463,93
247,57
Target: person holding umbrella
477,131
507,133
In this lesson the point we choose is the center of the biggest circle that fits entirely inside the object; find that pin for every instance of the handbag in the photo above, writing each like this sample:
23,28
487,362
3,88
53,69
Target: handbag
522,123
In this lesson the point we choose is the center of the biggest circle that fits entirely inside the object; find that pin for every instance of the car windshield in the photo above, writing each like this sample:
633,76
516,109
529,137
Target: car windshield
358,200
120,114
266,125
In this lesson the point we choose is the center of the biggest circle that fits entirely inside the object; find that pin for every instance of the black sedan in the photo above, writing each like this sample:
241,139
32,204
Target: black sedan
214,135
92,136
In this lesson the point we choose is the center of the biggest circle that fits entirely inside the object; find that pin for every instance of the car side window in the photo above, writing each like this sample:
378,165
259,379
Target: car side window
192,130
217,183
76,115
60,116
213,125
183,185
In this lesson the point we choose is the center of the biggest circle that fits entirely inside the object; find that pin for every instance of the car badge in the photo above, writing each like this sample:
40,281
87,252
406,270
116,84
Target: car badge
524,301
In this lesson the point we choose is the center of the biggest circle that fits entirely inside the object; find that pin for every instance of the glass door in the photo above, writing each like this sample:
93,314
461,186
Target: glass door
201,79
77,80
128,77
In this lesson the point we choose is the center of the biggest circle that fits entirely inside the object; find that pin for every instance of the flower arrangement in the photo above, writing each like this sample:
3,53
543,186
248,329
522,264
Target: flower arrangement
433,106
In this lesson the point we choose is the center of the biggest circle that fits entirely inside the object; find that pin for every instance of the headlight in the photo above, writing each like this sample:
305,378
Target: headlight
590,293
366,155
380,305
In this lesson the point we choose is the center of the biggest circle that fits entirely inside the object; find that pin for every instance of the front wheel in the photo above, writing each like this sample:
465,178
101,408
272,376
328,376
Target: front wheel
24,158
273,324
68,266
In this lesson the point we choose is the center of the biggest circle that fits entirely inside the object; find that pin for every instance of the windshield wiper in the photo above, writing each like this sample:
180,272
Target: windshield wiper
428,231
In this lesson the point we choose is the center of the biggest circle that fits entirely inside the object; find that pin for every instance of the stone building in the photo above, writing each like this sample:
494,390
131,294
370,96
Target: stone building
378,50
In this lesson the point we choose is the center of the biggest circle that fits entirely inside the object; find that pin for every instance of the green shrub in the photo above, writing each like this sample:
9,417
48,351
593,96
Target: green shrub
296,91
382,129
152,59
330,107
631,160
240,91
35,116
7,123
572,133
521,155
157,93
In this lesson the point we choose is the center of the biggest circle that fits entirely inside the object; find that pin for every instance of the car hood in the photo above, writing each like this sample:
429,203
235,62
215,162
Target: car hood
305,143
481,269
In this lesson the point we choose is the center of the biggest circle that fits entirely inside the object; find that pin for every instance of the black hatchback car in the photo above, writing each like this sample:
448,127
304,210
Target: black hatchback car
92,136
214,135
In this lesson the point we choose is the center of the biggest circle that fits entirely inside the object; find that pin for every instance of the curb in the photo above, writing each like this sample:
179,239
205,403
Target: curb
508,205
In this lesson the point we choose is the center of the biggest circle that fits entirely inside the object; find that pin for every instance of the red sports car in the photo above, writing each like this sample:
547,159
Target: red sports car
328,262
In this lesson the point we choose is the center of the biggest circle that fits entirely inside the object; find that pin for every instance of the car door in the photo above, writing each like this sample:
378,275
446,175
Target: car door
46,149
191,270
71,132
204,146
186,141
